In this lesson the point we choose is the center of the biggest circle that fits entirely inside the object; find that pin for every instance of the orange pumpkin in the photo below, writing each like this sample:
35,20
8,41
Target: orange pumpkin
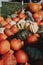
38,16
21,57
3,23
37,35
21,15
40,13
1,62
7,25
32,39
2,36
39,23
35,15
8,32
34,7
14,29
9,59
4,46
16,44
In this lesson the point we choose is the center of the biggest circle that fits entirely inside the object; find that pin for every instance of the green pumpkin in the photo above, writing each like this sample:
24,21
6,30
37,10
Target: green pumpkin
34,53
21,34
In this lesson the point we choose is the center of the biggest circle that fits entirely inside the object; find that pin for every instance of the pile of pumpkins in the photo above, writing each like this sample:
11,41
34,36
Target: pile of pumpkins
22,26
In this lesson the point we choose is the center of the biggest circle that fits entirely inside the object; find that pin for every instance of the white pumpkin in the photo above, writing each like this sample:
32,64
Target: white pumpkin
2,30
21,24
33,27
12,23
27,25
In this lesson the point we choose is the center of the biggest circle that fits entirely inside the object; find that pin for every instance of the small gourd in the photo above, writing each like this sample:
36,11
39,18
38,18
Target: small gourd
29,16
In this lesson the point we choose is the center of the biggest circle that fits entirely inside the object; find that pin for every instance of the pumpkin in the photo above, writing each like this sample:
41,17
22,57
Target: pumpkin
40,13
1,62
16,44
21,24
32,39
40,23
3,23
21,56
8,20
27,25
9,59
21,34
37,35
21,15
2,36
8,32
30,17
7,25
34,7
14,29
12,23
16,19
4,46
34,27
38,16
34,53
